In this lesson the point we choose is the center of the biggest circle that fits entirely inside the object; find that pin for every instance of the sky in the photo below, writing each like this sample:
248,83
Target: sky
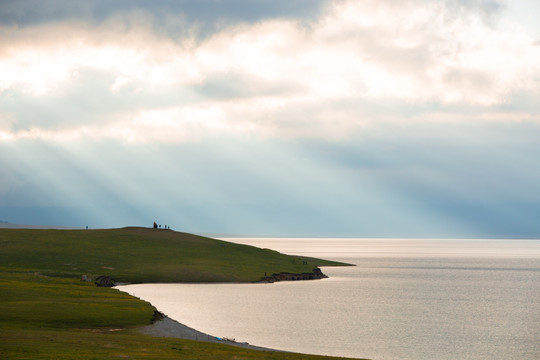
412,118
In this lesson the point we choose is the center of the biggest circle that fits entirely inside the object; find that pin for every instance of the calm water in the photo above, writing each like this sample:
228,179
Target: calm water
405,299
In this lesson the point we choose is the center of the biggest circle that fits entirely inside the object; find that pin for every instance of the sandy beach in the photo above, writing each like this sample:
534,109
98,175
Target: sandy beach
172,328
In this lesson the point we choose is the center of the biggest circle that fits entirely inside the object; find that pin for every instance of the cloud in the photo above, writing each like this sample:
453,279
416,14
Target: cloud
195,17
355,64
373,118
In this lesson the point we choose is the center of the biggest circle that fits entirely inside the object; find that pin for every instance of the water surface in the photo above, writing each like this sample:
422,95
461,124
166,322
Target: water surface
405,299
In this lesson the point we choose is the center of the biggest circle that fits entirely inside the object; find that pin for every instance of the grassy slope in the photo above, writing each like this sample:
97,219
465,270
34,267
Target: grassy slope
142,255
46,312
56,318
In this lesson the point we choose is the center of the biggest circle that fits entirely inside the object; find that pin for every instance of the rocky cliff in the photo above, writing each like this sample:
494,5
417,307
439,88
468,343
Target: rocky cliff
285,276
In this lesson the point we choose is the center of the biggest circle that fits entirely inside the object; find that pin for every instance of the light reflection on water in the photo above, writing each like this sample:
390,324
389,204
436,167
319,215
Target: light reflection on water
405,299
355,248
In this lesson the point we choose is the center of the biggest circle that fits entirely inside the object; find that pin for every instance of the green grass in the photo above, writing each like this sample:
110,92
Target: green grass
55,318
139,255
46,312
37,301
126,345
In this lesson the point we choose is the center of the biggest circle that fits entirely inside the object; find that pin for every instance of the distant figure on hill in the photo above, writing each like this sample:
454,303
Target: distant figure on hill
155,225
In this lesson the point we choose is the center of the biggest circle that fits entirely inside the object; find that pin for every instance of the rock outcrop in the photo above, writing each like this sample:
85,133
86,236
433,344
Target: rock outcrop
157,316
104,281
285,276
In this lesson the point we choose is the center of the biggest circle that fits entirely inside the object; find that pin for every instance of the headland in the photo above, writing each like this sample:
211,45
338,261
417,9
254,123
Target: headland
51,307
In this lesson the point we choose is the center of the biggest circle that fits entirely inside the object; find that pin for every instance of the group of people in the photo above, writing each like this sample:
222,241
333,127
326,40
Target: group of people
156,226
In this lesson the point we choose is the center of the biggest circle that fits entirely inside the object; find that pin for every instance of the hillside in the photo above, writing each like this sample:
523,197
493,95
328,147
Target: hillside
137,255
46,312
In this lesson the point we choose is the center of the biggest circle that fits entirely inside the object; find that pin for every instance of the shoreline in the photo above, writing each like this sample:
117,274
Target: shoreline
171,328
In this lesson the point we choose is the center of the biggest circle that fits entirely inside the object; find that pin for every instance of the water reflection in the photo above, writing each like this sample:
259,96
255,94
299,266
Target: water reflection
403,300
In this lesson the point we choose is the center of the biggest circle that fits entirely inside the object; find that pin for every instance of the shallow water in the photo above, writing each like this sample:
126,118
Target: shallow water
405,299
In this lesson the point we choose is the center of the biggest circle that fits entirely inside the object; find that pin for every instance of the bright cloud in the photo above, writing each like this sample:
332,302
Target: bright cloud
414,53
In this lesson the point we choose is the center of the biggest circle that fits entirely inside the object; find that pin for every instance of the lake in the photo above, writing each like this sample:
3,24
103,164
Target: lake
404,299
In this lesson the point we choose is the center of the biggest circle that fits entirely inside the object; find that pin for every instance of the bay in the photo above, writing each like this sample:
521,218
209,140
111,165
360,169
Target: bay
404,299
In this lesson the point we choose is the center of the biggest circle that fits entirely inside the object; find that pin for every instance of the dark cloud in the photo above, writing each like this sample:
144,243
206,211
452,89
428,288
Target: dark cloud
206,16
30,12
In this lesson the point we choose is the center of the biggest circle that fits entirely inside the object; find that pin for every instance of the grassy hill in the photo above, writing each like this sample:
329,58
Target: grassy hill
138,255
46,312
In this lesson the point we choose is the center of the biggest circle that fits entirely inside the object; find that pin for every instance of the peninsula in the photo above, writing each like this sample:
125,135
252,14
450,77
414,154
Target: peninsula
51,307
